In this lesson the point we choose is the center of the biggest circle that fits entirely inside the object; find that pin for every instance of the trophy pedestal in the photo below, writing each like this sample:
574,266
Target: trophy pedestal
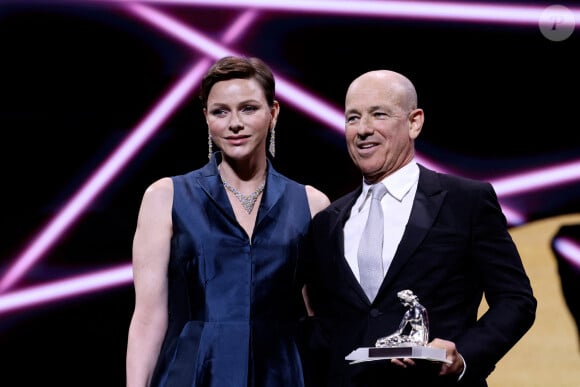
413,352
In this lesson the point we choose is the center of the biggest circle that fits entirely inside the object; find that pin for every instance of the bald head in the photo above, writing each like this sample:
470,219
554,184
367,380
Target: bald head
398,87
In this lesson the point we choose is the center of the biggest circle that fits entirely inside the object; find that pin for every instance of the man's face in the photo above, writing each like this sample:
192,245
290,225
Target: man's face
378,130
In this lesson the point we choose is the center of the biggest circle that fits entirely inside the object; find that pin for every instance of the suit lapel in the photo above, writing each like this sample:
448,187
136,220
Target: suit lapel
344,272
426,206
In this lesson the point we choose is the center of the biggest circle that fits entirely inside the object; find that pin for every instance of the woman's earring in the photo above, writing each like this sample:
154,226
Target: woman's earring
272,147
209,146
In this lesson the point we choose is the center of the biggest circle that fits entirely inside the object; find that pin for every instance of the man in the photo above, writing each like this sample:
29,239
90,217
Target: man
445,239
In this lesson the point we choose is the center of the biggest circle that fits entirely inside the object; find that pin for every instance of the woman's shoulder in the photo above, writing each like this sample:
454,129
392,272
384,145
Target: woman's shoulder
161,189
317,200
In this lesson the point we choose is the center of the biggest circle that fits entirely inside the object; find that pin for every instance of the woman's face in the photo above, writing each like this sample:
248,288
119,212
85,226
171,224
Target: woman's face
239,118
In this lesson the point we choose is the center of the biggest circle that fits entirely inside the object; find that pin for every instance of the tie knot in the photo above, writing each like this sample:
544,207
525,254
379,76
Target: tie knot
378,191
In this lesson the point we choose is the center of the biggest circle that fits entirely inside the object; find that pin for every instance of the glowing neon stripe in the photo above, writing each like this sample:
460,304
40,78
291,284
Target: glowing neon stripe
454,11
67,288
118,159
539,178
569,250
513,217
98,181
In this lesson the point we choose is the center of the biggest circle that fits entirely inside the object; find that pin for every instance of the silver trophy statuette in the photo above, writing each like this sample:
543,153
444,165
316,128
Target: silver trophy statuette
409,341
414,327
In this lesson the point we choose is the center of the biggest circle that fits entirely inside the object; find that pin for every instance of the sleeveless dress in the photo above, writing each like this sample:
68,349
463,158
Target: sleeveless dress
233,302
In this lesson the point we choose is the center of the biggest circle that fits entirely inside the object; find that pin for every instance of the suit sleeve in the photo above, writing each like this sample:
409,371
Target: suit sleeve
506,287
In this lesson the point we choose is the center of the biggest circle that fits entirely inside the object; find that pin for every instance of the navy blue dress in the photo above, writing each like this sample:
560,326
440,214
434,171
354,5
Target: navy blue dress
233,302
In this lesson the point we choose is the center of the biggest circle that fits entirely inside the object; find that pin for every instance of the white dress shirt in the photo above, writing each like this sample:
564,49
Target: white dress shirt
397,203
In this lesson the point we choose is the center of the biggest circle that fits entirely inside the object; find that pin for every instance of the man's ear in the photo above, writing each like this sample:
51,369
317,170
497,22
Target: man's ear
416,119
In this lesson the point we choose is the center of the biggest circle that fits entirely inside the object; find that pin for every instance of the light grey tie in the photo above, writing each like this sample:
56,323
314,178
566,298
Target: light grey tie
370,249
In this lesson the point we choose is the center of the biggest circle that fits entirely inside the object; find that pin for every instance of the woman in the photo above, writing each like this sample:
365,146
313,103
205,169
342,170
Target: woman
214,266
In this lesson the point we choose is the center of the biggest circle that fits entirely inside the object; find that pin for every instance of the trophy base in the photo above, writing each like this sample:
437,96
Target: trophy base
413,352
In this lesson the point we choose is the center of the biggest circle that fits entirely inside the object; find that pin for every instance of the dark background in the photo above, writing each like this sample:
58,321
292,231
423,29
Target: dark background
77,77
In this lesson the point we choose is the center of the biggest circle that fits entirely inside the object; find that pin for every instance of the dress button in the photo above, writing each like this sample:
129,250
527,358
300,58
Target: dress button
375,312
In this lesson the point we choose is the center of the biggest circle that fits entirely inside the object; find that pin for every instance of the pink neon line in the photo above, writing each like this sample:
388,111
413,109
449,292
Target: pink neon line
455,11
513,217
187,34
62,289
97,182
118,159
540,178
569,249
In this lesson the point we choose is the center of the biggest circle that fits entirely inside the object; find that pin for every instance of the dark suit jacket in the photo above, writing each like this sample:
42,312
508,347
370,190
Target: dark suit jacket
455,248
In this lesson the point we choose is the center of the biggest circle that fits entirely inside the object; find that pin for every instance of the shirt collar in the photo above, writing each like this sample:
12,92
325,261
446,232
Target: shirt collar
398,184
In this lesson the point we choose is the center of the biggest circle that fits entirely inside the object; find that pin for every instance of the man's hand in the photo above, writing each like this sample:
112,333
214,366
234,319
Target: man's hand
456,364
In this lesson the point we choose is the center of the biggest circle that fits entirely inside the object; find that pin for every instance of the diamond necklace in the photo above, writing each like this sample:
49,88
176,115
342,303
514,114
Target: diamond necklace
247,201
